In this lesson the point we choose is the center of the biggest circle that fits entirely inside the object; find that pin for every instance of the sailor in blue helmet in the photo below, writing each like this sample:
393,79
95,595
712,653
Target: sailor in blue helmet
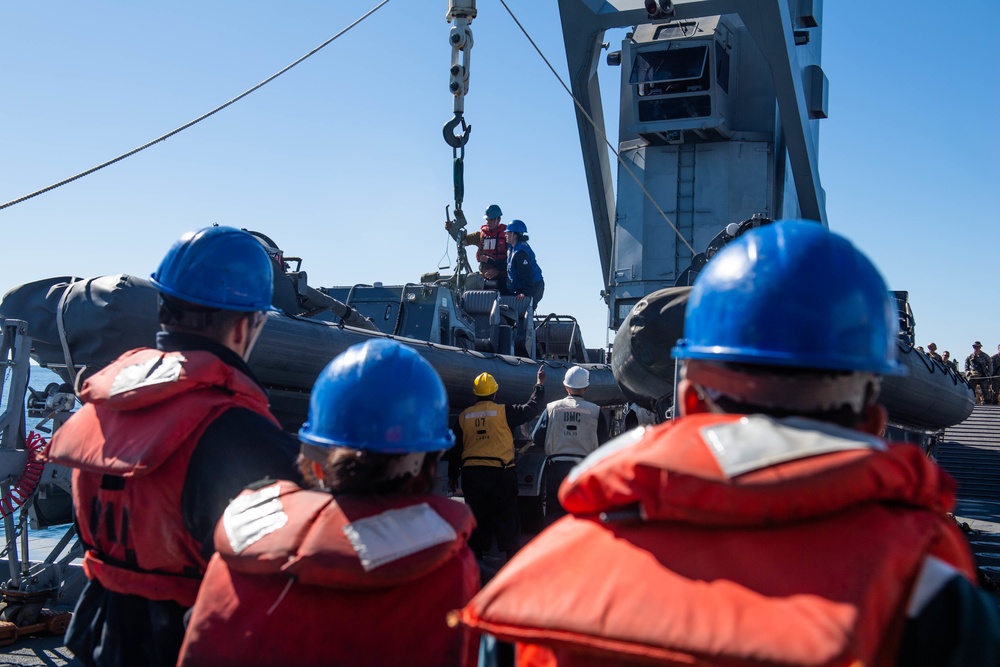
524,276
166,437
769,524
364,565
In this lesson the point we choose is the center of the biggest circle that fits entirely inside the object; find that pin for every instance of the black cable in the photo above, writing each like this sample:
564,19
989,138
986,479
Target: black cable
193,122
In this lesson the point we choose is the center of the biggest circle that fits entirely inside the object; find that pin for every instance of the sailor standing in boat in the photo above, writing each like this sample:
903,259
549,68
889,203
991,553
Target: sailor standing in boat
165,438
769,524
569,429
363,566
524,276
491,244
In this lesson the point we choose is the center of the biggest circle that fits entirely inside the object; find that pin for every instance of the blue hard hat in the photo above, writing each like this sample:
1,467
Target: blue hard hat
517,227
792,294
218,267
493,212
380,396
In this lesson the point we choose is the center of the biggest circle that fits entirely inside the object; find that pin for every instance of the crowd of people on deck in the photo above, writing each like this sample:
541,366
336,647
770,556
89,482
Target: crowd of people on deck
768,524
981,370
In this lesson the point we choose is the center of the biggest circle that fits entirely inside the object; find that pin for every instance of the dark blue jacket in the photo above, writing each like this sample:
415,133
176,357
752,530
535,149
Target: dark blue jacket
523,272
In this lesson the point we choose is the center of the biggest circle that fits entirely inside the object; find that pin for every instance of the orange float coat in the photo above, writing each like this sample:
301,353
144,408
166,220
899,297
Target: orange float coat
807,559
492,246
142,418
298,592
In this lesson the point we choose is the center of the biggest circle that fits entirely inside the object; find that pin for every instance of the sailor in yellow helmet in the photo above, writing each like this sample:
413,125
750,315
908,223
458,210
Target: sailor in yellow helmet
485,435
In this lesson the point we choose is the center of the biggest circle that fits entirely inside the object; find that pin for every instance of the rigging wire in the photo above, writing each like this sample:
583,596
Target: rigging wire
600,133
196,120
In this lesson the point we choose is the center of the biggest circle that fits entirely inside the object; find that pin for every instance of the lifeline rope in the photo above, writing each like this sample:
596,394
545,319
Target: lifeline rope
590,120
196,120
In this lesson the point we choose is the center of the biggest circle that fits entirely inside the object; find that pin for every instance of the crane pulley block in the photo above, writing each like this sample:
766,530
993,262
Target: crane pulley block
461,9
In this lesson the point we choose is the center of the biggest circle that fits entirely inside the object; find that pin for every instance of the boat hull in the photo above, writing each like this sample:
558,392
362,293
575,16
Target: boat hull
100,318
928,398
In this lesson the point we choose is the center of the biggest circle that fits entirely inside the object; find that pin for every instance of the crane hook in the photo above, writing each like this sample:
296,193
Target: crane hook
456,140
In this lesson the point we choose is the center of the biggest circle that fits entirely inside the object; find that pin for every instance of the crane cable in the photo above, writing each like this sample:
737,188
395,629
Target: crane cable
196,120
600,133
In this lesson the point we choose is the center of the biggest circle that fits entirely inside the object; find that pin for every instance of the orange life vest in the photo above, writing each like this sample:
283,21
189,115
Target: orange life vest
290,583
668,560
492,245
141,420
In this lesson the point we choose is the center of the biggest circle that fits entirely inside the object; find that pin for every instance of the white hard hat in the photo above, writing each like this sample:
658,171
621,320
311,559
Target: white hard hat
577,378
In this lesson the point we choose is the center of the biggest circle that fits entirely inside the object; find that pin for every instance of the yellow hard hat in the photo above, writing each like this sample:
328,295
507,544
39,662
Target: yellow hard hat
484,385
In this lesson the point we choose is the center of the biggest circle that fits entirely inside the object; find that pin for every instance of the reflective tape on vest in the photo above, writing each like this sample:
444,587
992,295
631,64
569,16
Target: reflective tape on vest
757,441
252,516
397,533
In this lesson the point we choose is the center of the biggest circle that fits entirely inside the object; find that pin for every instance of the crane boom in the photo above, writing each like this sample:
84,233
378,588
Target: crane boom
713,148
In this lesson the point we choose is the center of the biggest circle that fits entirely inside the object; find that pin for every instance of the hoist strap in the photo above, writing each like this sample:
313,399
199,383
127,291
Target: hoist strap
459,174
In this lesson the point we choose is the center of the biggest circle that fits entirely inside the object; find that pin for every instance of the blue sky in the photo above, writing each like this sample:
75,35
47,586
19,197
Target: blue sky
341,160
